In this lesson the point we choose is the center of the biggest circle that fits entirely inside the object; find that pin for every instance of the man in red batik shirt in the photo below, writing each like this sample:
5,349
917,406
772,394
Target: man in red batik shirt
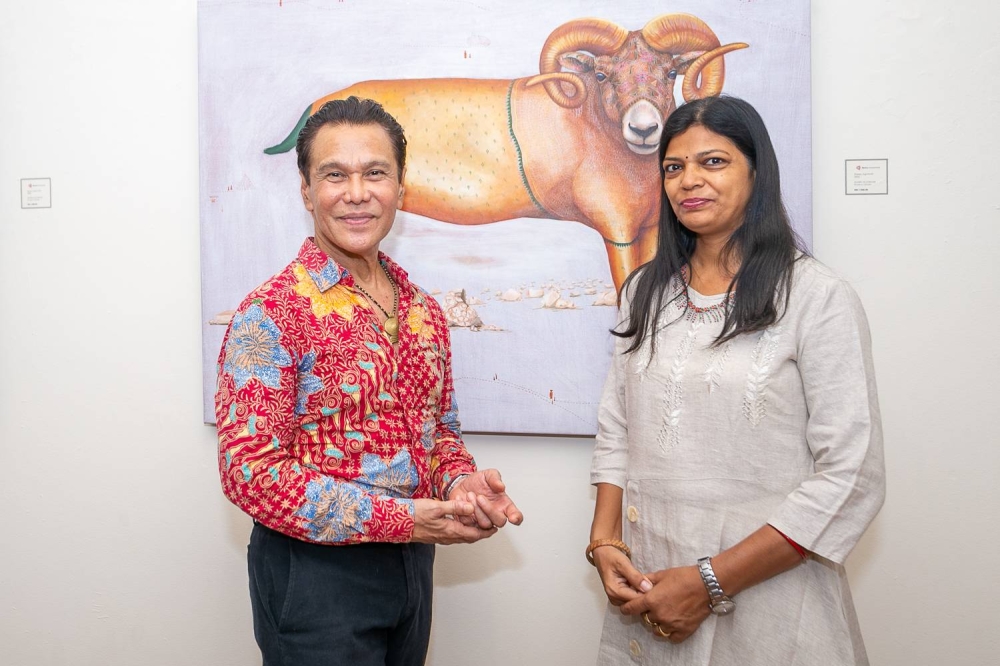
338,425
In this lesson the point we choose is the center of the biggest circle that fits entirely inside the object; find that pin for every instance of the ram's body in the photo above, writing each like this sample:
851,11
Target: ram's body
482,151
461,162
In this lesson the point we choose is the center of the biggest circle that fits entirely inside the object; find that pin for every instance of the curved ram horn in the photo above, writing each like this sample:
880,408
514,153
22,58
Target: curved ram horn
712,70
597,36
679,33
683,33
580,94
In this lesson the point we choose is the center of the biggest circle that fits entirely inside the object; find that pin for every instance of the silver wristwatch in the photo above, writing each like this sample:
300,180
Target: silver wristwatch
718,602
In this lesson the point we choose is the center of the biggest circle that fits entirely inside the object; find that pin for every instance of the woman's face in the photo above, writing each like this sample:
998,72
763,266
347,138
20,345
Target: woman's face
708,182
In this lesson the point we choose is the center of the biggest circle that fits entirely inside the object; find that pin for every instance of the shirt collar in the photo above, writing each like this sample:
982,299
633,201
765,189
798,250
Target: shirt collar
325,272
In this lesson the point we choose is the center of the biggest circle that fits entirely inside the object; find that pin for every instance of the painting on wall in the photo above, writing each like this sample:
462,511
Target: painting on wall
532,184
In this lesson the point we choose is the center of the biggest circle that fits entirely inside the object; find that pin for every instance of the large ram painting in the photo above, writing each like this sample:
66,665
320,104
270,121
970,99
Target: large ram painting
532,187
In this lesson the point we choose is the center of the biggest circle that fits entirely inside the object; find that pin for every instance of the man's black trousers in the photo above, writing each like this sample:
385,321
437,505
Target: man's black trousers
359,605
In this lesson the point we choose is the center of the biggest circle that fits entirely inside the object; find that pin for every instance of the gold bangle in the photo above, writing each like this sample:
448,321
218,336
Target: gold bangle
614,543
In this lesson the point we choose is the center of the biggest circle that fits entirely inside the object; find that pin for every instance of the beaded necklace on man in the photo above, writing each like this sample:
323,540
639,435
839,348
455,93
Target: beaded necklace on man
391,325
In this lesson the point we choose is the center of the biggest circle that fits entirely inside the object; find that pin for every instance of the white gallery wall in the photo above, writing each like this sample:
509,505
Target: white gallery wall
116,545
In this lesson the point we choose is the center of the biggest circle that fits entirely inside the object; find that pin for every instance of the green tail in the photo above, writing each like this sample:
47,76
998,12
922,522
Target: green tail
290,140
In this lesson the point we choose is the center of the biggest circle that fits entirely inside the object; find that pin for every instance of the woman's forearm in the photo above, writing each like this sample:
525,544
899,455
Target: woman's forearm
763,554
607,513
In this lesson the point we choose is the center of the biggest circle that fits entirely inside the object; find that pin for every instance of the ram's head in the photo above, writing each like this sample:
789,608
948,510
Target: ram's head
633,72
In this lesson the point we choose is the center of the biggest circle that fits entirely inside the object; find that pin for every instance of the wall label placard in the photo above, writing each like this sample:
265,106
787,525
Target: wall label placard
36,193
866,176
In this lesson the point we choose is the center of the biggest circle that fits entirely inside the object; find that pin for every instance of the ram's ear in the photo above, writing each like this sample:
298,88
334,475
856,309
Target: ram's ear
577,61
682,61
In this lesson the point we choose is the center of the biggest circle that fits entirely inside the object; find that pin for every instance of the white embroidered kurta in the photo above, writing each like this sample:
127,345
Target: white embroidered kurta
710,443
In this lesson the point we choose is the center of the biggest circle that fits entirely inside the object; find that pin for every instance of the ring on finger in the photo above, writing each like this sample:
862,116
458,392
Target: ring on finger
645,618
659,631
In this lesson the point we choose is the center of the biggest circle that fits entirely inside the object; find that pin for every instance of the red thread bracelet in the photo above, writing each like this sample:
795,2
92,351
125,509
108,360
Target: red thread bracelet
798,549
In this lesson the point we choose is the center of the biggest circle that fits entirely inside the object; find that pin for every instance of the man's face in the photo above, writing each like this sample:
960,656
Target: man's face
354,189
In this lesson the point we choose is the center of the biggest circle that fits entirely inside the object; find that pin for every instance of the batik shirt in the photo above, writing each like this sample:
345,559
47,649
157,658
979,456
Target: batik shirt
326,432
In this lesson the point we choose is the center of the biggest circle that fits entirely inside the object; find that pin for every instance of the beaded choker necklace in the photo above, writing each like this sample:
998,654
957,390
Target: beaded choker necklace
391,325
715,312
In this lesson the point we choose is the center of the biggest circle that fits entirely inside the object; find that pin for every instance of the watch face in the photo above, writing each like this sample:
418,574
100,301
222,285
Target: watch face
723,607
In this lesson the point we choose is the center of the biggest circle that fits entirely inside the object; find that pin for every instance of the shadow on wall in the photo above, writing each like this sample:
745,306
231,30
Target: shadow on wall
238,525
459,565
862,558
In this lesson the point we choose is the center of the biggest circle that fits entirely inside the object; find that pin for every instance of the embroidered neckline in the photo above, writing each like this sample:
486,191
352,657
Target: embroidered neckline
714,313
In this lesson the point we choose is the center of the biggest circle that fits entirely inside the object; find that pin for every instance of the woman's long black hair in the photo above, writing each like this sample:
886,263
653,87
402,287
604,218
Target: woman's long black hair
765,245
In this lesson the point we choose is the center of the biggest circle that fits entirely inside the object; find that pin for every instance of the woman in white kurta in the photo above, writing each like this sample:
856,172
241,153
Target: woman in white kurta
739,453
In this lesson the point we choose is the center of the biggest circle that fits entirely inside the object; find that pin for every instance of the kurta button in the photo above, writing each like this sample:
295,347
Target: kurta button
634,648
633,514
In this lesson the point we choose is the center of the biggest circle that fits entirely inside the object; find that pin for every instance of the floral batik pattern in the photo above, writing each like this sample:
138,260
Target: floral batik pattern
398,477
336,511
328,431
253,350
308,382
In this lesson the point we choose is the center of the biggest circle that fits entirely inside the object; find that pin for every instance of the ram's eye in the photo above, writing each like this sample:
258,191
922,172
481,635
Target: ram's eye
601,76
672,74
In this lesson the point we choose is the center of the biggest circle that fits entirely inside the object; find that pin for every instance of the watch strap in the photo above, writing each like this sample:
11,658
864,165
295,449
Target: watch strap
717,597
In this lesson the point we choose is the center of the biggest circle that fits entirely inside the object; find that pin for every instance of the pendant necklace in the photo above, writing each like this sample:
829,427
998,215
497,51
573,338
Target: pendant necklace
391,325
